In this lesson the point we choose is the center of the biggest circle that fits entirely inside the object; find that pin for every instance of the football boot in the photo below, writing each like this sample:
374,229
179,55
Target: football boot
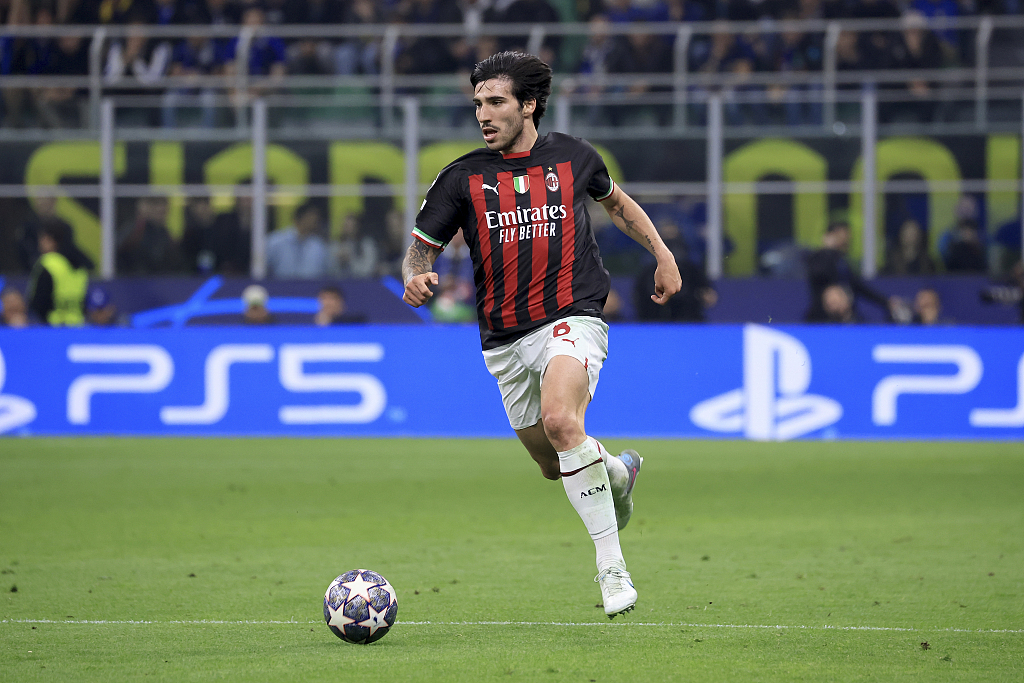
617,591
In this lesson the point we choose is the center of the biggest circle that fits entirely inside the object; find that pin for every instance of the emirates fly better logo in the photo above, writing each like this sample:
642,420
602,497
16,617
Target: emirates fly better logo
772,404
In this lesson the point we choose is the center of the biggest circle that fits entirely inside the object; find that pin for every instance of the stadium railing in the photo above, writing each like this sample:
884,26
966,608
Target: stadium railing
972,78
685,104
714,188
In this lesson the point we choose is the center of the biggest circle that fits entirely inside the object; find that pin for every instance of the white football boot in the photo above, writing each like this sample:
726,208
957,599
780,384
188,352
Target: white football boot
617,590
623,495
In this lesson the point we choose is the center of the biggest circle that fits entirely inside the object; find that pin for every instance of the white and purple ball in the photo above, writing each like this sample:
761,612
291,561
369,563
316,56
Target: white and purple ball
360,606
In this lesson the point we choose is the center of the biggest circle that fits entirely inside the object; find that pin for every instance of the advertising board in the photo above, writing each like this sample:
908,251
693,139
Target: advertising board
660,381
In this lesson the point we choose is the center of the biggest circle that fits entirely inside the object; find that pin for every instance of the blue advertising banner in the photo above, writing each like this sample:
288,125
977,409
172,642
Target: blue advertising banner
754,382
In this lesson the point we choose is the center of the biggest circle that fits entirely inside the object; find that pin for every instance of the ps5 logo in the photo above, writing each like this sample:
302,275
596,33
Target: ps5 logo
772,404
293,375
15,411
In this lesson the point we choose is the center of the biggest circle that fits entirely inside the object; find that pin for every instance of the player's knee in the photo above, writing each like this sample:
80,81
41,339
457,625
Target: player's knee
561,427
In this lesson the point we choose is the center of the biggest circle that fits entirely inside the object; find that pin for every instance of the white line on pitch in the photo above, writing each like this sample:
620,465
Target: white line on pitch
777,627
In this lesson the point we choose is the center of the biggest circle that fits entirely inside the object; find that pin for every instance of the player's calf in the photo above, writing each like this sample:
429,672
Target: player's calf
622,472
618,475
623,496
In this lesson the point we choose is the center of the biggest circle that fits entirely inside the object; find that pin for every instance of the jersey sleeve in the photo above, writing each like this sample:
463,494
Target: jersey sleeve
442,212
600,185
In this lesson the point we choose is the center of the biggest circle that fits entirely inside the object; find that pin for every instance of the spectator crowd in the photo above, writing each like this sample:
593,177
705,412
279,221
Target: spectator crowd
371,244
136,62
59,292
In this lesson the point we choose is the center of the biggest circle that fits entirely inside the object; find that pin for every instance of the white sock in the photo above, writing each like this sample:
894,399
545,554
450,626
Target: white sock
609,553
618,475
587,486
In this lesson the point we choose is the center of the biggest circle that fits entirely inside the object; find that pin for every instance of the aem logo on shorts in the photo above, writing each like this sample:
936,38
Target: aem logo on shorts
772,404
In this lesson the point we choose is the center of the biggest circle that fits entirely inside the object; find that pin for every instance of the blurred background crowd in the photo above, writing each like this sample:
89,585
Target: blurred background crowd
371,244
144,60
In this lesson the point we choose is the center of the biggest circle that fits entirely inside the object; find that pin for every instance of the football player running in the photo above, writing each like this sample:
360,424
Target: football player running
541,289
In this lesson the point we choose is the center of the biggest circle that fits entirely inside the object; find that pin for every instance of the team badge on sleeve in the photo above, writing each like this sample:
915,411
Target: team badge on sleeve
521,184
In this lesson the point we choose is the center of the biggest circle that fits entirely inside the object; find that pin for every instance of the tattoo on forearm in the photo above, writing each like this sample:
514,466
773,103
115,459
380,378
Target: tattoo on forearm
418,260
629,226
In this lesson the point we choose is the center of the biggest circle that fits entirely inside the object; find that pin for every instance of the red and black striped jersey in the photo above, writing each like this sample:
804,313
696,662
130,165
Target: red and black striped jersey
525,221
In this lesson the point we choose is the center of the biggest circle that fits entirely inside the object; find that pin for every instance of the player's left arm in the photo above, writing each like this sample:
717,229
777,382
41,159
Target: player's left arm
631,219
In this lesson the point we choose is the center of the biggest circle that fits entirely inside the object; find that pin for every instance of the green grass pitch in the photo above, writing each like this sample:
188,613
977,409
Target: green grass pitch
203,559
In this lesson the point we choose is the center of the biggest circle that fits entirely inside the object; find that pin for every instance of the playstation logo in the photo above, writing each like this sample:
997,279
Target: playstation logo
772,404
15,411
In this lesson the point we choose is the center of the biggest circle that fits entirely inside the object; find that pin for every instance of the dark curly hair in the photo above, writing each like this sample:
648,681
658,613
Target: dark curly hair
530,77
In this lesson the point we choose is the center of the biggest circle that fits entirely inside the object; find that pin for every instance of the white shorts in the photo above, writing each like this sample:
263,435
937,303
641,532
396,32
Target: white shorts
519,367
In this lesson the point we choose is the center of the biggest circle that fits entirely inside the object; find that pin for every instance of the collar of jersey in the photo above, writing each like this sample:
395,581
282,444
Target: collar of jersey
521,155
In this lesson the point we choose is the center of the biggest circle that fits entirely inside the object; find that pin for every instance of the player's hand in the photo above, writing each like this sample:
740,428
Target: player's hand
417,289
667,282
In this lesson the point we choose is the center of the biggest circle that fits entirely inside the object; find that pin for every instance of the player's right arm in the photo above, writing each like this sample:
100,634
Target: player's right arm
418,274
437,222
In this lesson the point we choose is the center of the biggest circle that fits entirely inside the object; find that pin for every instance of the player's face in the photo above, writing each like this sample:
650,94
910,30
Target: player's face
502,119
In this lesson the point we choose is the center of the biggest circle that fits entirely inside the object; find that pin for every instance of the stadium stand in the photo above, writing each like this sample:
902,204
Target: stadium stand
745,126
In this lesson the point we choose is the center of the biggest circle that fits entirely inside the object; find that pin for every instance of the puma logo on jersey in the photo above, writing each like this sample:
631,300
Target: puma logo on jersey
572,341
493,188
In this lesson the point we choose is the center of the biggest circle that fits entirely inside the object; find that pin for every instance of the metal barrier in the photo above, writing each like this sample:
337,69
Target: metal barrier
399,114
979,82
714,189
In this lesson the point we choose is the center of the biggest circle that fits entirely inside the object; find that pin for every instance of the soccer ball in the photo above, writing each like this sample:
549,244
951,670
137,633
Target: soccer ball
360,606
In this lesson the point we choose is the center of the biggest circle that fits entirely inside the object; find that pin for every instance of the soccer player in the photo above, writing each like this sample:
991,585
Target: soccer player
540,289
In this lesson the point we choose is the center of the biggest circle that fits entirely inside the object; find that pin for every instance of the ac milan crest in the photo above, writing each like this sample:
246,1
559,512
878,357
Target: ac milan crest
551,180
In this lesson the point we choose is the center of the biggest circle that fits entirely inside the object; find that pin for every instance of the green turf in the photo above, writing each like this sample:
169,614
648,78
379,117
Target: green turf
922,543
